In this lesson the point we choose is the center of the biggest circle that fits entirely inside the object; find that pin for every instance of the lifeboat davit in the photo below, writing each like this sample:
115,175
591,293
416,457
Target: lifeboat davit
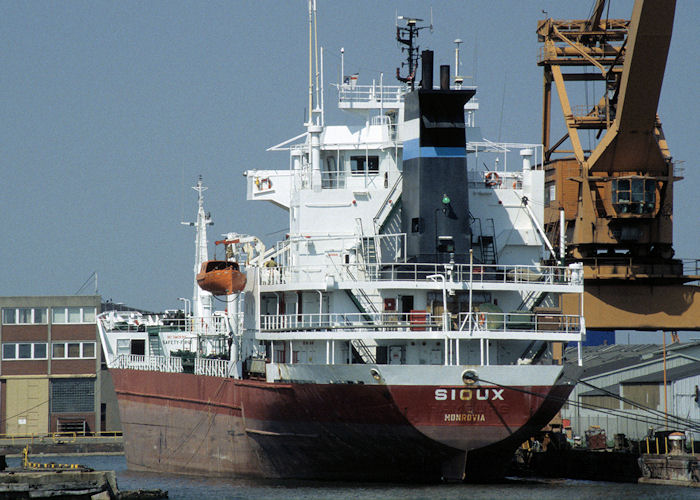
221,277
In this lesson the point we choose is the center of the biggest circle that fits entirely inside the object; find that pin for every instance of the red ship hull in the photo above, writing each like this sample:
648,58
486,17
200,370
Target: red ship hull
195,424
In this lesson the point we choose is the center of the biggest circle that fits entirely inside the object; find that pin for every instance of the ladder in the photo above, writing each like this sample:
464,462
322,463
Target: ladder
487,243
154,344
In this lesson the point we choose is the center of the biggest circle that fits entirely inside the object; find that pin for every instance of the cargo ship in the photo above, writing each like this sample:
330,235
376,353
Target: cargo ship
407,327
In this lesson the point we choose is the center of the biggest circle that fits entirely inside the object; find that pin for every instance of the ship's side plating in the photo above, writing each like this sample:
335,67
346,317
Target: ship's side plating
363,430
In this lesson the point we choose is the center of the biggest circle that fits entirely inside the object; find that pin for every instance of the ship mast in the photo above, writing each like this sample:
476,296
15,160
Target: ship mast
314,126
407,36
201,300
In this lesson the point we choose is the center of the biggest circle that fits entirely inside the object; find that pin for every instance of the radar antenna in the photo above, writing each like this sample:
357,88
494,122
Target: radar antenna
406,35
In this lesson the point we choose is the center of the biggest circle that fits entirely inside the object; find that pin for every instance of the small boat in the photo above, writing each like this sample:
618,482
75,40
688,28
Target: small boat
221,277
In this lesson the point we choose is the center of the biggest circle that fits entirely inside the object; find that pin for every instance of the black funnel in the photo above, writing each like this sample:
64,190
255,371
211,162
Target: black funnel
427,69
445,77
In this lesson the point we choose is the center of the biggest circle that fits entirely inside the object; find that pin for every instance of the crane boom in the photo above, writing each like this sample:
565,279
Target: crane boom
630,145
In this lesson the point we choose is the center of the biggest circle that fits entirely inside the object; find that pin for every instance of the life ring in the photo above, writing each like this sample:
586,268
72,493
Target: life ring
481,318
492,179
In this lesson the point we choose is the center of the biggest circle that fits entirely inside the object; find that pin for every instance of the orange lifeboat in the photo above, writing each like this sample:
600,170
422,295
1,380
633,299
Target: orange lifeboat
221,277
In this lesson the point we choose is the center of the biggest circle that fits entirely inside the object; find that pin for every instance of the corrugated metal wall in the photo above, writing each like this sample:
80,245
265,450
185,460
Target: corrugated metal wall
686,400
635,423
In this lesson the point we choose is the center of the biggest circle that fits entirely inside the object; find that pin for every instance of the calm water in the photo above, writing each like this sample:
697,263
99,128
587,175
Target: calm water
189,488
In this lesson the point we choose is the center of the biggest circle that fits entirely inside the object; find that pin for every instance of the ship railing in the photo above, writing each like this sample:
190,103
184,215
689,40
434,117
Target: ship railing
503,151
417,272
148,363
155,324
211,367
496,180
497,322
356,94
492,322
417,321
691,267
333,180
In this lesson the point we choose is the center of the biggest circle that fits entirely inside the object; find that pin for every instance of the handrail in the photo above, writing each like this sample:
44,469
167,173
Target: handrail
520,321
370,93
398,185
691,267
148,363
419,272
157,323
492,322
172,364
21,438
346,321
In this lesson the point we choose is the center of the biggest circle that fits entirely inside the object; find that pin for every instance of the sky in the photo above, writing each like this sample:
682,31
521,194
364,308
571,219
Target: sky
109,112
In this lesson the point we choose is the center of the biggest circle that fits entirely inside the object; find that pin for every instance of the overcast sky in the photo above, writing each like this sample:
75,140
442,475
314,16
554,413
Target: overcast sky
111,110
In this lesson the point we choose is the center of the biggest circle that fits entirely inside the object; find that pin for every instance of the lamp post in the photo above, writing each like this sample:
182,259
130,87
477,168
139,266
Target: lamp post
445,314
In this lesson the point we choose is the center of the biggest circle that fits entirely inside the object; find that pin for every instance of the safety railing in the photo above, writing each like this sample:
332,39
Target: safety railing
349,93
348,321
55,437
661,446
333,180
691,267
211,367
148,363
172,364
498,324
496,180
155,324
417,272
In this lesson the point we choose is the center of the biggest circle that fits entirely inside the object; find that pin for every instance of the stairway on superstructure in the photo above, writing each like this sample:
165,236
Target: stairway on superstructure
368,259
388,207
154,344
486,242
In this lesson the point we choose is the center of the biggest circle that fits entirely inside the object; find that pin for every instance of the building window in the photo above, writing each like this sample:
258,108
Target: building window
61,315
73,350
40,351
360,164
23,351
88,349
550,193
9,351
72,395
24,316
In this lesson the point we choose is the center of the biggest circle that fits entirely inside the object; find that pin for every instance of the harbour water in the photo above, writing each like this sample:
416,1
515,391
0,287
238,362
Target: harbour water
196,488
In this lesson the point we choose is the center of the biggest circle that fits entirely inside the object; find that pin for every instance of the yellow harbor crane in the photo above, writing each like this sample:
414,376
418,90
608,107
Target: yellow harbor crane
612,204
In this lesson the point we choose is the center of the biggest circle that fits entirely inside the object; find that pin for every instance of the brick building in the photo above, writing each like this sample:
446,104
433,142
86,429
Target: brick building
51,374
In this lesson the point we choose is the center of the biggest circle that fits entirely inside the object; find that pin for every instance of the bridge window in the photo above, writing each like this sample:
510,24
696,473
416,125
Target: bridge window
361,164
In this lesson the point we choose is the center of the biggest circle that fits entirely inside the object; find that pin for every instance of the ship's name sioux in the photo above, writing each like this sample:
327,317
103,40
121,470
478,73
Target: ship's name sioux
468,394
